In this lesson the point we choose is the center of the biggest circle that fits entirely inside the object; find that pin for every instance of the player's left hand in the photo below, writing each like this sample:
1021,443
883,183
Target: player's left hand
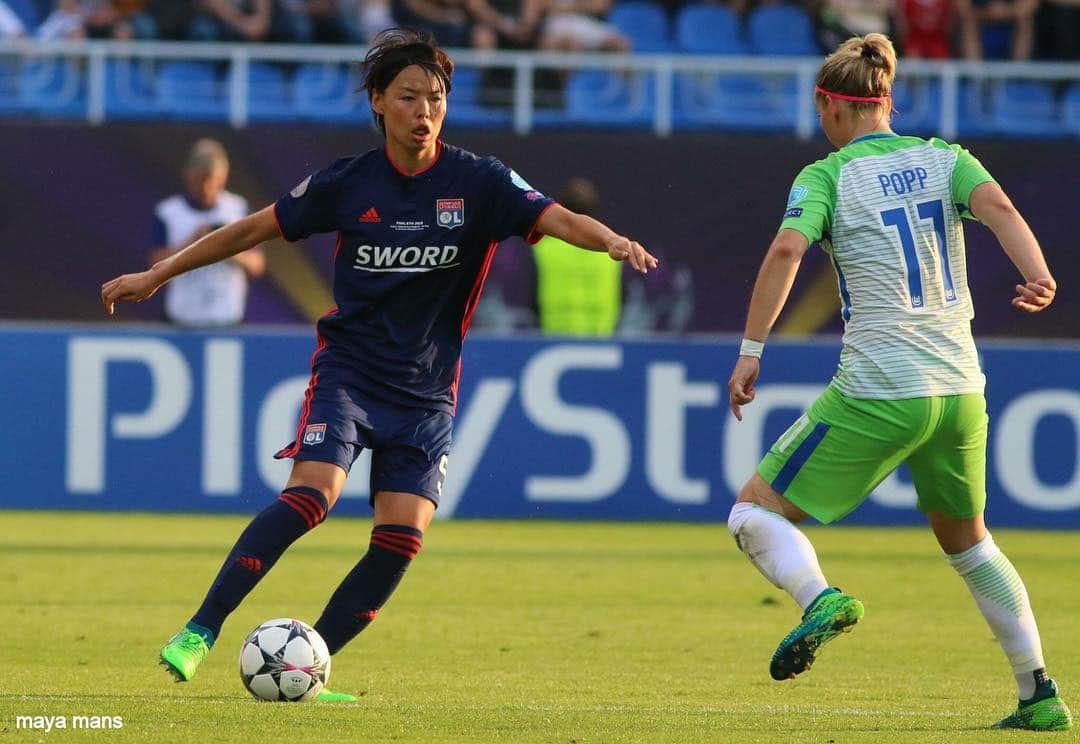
621,248
741,385
129,288
1035,296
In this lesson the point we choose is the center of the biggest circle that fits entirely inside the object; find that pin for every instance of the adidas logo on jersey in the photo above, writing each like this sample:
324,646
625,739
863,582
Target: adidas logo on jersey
370,216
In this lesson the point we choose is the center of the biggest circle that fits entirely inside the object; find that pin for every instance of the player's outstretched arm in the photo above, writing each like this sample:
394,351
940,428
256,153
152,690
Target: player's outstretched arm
585,232
222,243
992,206
774,281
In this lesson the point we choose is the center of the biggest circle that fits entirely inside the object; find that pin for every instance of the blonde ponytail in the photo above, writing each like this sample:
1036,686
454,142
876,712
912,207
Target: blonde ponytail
862,67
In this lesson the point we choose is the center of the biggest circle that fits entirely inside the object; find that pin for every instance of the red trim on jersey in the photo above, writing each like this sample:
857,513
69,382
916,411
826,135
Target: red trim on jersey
470,308
306,410
278,223
438,154
337,248
534,234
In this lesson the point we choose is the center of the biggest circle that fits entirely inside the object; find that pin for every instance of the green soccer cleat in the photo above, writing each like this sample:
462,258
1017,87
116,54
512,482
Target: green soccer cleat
1045,711
827,616
335,697
183,653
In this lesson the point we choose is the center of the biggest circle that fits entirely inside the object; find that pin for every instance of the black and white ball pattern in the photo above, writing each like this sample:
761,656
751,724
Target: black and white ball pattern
284,660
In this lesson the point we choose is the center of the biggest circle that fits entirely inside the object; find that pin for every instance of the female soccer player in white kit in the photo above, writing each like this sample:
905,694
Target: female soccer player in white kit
887,209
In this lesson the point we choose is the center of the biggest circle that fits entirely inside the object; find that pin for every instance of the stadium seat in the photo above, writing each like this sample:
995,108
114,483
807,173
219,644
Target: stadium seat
613,99
130,89
465,107
27,11
9,86
736,102
781,30
269,93
1024,108
645,24
1070,109
52,86
191,90
327,93
709,29
917,105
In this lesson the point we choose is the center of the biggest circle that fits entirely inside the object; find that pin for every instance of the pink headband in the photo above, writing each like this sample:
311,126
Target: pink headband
856,99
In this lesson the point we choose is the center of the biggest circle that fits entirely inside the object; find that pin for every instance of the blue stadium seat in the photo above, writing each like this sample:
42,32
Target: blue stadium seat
645,24
612,99
918,106
27,11
781,30
465,108
130,89
709,29
327,93
52,86
1024,108
738,102
269,93
9,86
191,90
1070,109
973,108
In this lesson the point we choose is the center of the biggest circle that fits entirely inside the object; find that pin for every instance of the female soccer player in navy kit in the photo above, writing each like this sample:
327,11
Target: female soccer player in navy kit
417,223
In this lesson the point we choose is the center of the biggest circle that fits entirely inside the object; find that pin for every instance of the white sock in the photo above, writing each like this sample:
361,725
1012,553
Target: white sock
1000,594
779,550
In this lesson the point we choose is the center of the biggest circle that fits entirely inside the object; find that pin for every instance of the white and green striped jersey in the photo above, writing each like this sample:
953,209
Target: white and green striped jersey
887,210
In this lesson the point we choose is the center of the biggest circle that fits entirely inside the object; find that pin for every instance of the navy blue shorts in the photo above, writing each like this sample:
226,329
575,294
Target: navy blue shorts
408,445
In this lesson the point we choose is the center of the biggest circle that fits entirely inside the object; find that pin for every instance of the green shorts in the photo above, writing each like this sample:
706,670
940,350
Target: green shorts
834,455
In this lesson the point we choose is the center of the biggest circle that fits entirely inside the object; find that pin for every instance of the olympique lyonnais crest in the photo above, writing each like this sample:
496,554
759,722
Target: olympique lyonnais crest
314,433
450,213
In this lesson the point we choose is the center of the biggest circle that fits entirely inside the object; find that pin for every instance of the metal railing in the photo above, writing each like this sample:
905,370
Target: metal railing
663,68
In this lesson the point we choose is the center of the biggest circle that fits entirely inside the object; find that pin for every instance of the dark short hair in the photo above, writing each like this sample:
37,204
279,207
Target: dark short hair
397,48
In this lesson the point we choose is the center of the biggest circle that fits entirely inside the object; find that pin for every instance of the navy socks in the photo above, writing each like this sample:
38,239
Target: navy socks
275,528
366,588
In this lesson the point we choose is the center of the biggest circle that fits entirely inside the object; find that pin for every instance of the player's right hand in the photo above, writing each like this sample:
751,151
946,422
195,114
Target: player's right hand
1035,296
741,385
128,288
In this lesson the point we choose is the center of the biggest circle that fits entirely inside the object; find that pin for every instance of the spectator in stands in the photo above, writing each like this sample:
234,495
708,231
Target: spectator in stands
924,28
1059,29
578,293
214,295
839,20
98,19
11,26
997,29
447,20
232,20
372,17
505,24
317,21
578,25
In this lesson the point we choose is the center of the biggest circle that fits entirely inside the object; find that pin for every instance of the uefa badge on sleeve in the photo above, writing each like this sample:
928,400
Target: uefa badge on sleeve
315,434
450,213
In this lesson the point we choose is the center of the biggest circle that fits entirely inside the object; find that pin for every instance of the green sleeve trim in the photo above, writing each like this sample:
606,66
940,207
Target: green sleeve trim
812,200
967,173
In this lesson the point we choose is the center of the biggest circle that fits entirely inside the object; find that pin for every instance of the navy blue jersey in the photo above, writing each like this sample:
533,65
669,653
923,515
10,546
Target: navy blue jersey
411,259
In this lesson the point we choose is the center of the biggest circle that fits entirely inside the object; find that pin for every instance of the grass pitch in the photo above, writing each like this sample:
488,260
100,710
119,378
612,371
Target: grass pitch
521,632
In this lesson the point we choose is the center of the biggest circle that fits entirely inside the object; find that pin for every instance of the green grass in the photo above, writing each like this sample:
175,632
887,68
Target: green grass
521,632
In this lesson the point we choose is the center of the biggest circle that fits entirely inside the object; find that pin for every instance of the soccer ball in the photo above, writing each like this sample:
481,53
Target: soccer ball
284,660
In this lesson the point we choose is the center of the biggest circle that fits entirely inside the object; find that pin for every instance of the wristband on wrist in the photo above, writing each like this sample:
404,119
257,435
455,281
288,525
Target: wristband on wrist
751,348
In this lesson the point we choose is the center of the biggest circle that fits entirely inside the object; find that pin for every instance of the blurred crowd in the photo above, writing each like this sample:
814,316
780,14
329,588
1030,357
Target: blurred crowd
934,29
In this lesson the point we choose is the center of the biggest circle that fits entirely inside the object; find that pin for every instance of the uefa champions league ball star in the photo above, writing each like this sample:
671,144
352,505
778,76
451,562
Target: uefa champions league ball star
284,660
